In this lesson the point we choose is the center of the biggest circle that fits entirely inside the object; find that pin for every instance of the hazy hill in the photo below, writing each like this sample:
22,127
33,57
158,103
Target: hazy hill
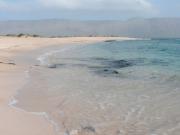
148,28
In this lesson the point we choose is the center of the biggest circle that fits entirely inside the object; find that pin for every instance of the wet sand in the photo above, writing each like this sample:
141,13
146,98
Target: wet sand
17,56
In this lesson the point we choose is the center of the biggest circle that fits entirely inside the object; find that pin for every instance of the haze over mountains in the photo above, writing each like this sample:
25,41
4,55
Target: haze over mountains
142,28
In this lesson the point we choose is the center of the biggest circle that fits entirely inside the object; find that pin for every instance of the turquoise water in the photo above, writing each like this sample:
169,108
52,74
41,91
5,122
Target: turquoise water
163,54
110,88
158,55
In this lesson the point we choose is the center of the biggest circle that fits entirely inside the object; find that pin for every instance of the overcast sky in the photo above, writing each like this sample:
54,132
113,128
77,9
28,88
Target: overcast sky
87,9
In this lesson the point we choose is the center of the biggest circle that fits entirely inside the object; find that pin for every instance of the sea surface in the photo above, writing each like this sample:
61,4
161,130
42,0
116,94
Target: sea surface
108,88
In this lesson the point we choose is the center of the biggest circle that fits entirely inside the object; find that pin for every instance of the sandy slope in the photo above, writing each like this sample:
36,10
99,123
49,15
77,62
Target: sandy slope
13,77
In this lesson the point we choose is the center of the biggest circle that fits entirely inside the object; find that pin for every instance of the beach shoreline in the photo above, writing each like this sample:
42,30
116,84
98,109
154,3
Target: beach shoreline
17,56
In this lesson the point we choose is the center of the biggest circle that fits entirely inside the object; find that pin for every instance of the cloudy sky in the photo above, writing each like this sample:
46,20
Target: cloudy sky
87,9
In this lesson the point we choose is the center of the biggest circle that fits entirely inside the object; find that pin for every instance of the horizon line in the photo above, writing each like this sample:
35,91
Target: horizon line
61,19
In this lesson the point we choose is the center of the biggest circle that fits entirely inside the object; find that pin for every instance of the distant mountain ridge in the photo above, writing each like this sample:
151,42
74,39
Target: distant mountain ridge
140,28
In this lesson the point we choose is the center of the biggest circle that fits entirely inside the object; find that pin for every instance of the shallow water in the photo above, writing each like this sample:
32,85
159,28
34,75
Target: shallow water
109,88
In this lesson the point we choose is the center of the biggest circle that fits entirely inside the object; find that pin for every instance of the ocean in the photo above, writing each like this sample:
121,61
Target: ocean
108,88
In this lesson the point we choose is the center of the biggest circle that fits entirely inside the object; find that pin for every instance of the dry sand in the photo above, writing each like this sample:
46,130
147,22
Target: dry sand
13,76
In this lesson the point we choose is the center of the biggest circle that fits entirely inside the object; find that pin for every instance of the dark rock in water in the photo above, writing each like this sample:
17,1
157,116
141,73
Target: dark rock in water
120,64
115,72
11,63
52,66
107,72
89,129
57,65
111,71
110,41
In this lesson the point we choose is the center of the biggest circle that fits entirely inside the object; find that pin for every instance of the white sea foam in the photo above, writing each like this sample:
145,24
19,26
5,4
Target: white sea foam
43,58
43,114
13,102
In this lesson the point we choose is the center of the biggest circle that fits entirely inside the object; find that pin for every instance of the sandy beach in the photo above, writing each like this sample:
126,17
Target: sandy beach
17,56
